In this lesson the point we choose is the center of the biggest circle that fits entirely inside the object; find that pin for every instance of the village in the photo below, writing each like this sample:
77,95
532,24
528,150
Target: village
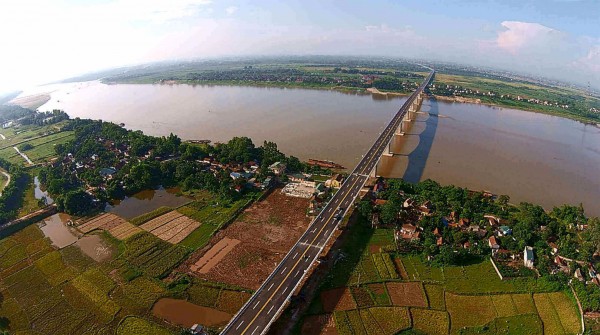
490,235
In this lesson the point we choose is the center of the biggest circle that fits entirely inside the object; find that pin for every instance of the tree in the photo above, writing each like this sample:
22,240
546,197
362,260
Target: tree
76,202
365,208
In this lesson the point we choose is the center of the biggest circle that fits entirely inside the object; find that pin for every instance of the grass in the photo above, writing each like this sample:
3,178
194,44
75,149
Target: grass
138,326
391,319
435,296
153,256
526,324
558,314
138,220
430,321
211,218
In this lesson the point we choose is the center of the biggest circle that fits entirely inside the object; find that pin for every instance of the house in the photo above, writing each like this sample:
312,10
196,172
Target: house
467,245
578,275
436,232
463,223
277,168
320,189
266,183
375,220
408,203
426,208
528,257
380,202
492,220
407,232
493,243
197,329
504,231
107,172
297,177
335,181
440,241
235,175
408,228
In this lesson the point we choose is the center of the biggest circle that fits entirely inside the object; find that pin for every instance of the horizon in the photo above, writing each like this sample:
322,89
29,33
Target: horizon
63,39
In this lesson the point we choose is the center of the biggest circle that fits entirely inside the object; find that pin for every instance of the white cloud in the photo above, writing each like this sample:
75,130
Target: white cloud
590,62
231,10
519,35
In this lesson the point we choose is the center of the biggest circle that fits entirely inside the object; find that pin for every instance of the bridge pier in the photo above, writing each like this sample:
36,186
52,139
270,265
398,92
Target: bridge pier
388,148
400,129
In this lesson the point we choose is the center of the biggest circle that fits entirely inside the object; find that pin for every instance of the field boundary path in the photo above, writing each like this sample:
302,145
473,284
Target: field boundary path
23,155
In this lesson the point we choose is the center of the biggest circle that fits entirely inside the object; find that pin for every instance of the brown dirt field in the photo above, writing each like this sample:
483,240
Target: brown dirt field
161,220
214,255
400,268
172,227
377,288
184,233
319,325
105,221
337,299
407,294
267,230
124,230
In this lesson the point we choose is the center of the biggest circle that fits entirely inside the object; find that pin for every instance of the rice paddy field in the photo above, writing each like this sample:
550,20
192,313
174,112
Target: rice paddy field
47,290
367,282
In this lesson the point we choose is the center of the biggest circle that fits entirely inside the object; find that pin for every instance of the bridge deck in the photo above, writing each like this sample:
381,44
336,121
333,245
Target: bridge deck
268,301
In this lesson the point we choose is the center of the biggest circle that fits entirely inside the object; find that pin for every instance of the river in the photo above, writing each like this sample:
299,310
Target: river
531,157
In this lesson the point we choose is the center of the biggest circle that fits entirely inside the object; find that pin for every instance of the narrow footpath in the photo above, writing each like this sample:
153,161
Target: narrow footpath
24,156
7,180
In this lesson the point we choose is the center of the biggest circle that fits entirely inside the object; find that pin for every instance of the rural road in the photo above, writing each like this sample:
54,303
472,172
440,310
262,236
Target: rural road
24,156
263,308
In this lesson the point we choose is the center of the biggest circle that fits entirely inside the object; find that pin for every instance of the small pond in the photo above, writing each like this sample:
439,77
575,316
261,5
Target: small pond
146,201
186,314
39,193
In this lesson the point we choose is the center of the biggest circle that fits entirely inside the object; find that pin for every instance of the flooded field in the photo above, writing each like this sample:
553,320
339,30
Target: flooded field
531,157
146,201
55,227
186,314
95,247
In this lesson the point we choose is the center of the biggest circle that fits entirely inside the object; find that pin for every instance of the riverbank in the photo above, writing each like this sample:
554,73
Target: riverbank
521,108
32,102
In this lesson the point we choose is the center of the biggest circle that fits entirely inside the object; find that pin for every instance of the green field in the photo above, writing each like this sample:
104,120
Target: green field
460,299
49,291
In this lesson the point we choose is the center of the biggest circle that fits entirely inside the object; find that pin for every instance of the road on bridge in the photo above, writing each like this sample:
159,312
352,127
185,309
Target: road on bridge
268,301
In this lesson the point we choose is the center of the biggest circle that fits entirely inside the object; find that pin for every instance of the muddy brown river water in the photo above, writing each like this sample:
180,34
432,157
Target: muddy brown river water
531,157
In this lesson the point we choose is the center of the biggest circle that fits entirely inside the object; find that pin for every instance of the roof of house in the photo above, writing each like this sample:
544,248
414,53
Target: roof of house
528,253
409,227
107,171
493,240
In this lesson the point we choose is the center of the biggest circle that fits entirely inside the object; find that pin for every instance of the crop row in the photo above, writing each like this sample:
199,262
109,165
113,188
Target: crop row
138,220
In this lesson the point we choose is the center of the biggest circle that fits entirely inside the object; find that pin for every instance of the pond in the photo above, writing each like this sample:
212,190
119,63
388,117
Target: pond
146,201
55,228
186,314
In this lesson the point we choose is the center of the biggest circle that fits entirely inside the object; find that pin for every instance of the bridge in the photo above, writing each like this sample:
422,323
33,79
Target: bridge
263,308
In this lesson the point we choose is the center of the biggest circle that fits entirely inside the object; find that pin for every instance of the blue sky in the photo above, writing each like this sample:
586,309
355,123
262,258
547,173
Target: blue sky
54,39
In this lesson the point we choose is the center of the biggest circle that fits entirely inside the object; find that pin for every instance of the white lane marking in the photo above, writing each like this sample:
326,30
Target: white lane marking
329,210
282,271
314,230
327,231
296,255
241,323
269,312
297,272
270,286
255,329
258,302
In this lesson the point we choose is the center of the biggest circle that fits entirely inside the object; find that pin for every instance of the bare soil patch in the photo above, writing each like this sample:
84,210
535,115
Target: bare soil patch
407,294
337,299
213,256
172,227
104,221
124,230
267,230
319,325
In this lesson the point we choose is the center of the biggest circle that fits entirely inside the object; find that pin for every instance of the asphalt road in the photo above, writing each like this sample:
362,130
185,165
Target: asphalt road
269,300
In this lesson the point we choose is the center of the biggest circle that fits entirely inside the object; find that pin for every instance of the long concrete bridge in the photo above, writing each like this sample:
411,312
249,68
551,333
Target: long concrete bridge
263,308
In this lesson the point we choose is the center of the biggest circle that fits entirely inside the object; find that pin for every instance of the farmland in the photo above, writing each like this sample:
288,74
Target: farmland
48,290
469,299
246,251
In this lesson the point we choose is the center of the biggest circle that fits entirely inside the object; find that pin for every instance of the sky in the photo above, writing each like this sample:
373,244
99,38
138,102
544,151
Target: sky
48,40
